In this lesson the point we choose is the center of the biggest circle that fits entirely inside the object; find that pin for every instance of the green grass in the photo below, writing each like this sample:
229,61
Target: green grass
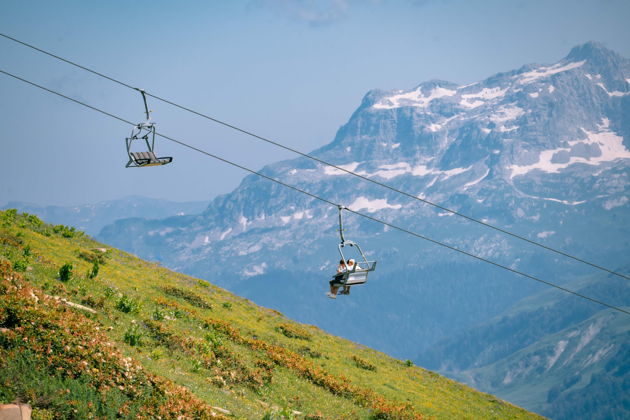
226,351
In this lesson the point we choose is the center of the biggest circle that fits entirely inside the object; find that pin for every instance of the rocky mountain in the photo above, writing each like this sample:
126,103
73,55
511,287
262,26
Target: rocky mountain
559,356
91,218
543,151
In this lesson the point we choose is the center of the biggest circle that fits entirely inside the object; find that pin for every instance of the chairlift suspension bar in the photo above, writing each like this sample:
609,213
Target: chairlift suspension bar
144,98
340,208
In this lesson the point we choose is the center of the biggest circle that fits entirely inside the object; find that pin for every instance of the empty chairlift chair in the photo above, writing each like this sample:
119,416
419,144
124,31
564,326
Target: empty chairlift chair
143,138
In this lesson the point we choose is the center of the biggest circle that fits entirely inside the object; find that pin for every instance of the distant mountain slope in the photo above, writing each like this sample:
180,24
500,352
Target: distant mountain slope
586,359
134,338
91,218
547,351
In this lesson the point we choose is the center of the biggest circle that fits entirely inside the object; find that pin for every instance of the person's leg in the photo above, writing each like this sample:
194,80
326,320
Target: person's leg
334,286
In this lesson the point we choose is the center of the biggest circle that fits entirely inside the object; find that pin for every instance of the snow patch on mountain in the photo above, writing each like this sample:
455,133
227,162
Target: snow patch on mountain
473,100
545,234
161,232
615,202
255,270
478,180
565,202
599,354
252,249
585,338
415,98
372,206
224,234
613,93
243,222
393,170
597,148
506,113
437,126
352,166
560,347
423,170
531,76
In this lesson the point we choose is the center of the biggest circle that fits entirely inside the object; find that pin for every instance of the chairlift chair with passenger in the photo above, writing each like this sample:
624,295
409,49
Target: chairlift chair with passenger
143,134
359,273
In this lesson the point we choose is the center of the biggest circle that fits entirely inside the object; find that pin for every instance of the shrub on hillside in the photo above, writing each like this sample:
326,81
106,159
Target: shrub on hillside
93,272
187,295
293,331
307,351
20,265
128,305
133,336
94,256
363,364
65,272
65,231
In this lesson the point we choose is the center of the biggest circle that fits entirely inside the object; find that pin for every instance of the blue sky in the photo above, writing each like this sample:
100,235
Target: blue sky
293,71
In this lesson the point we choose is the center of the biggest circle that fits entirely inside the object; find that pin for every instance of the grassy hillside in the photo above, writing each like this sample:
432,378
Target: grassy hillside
88,331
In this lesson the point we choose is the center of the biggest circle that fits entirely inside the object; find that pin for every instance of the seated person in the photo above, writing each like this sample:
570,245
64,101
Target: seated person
351,266
337,280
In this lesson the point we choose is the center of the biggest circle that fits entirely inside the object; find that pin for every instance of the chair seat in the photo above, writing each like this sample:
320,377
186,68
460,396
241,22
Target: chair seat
148,159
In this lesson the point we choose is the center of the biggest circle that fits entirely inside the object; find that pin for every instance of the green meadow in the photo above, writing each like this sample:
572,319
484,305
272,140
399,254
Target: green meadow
89,331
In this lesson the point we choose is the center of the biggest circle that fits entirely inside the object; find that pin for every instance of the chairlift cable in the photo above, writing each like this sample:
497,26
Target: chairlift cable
383,222
306,155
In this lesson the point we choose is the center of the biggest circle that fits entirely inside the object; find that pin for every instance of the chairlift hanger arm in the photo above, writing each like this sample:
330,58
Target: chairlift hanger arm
144,99
340,208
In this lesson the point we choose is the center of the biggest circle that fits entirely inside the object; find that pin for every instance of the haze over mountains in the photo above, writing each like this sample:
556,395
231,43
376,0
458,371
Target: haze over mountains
543,151
91,218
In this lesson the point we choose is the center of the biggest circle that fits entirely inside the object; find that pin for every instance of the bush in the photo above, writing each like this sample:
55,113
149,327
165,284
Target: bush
363,364
93,272
20,265
292,331
214,339
196,365
408,363
65,272
110,291
8,216
188,296
158,314
128,305
306,351
133,336
65,231
91,301
92,256
33,220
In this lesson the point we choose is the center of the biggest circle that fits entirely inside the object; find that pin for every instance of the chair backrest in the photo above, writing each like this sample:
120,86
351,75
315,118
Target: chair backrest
150,156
